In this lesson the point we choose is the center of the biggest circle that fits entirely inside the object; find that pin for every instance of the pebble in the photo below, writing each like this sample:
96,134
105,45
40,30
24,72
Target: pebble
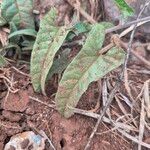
26,141
30,111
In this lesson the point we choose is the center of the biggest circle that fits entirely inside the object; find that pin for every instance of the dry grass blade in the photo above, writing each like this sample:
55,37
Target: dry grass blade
146,96
105,97
140,58
143,71
142,124
126,100
25,74
121,105
128,24
126,83
132,138
114,123
132,27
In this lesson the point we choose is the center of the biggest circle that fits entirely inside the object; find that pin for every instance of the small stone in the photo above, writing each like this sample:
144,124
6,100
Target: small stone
13,117
26,141
12,148
24,144
30,111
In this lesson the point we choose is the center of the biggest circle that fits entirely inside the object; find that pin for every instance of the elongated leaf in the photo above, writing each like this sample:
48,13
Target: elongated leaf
29,32
52,49
3,62
13,28
18,12
60,64
77,29
86,67
124,8
2,21
45,37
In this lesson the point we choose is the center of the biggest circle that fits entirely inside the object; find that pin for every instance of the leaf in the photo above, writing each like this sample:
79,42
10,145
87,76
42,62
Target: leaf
10,47
85,68
2,21
52,49
82,27
27,45
45,37
29,32
13,28
18,12
77,29
60,64
3,62
124,8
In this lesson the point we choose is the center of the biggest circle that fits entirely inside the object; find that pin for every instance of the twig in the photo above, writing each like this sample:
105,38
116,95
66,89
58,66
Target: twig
124,45
146,97
118,83
133,139
144,20
142,124
105,119
142,71
25,74
37,100
105,96
82,12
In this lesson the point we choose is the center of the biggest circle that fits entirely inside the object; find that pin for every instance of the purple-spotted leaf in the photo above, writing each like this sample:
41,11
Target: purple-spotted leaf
85,68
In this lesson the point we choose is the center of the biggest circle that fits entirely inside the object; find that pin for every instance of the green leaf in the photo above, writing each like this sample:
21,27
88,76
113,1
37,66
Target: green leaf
52,49
29,32
82,27
18,12
3,62
60,64
13,28
42,46
85,68
2,21
77,29
11,46
124,8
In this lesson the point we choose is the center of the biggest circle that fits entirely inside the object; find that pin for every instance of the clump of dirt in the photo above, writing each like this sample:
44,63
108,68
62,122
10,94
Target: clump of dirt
12,116
16,102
